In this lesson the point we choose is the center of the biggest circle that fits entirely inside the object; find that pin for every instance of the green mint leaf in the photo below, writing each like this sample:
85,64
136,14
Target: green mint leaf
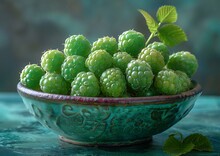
200,141
175,147
171,34
167,14
151,23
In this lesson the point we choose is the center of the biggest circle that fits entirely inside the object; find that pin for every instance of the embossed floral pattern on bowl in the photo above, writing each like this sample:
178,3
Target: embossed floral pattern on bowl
108,121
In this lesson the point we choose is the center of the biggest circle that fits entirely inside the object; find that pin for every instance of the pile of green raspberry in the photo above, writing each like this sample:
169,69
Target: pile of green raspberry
111,67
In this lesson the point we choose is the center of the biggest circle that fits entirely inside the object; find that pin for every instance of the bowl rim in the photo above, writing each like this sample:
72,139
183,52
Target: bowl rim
56,98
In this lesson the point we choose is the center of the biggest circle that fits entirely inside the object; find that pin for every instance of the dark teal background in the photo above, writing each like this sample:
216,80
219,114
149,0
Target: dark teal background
29,27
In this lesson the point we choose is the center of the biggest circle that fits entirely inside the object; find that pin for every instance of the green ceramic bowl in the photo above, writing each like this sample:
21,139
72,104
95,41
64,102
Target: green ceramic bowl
108,121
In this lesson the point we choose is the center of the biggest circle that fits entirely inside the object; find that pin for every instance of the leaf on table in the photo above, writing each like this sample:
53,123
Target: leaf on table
171,34
151,23
167,14
177,135
200,141
175,147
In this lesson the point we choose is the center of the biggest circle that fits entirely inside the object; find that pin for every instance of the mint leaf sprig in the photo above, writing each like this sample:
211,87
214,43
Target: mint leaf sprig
165,29
176,146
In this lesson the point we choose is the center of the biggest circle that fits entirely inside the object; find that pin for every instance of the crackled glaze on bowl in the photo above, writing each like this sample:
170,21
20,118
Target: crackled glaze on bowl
108,121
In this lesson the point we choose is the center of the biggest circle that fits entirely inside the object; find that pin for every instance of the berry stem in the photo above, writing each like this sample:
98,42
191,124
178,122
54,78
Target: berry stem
152,35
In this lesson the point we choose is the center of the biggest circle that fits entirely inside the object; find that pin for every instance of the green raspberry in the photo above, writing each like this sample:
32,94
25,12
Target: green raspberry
31,75
171,82
106,43
54,83
52,60
184,81
147,92
121,60
162,48
77,45
113,83
131,42
126,94
167,82
153,58
183,61
71,66
85,84
98,61
139,75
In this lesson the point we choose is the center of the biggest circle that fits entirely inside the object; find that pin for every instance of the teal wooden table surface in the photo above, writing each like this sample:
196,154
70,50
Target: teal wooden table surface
21,134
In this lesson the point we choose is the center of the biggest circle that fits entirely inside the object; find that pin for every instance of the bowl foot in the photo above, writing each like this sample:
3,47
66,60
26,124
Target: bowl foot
127,143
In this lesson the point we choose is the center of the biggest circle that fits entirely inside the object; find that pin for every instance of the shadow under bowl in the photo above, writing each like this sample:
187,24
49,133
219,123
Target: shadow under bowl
104,121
